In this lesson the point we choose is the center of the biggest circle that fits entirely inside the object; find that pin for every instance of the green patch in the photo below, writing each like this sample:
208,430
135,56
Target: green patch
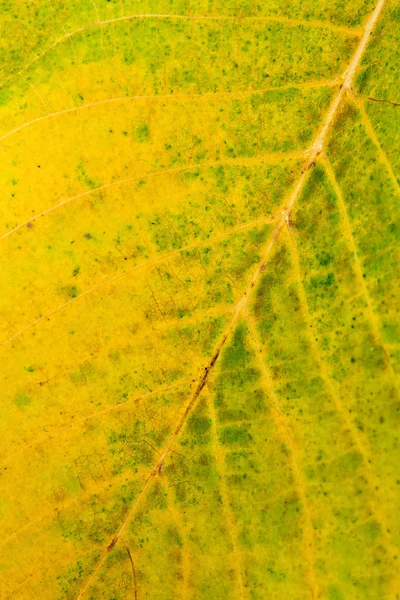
235,435
142,133
22,400
199,425
236,354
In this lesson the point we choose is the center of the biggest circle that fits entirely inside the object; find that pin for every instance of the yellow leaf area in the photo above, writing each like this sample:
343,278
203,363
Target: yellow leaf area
199,328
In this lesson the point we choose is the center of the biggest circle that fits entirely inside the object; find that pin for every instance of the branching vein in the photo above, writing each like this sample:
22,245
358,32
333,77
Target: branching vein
271,19
313,153
374,138
142,265
177,97
371,478
275,157
357,264
309,530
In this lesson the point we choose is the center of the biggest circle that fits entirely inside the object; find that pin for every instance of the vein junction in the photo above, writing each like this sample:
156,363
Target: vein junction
313,153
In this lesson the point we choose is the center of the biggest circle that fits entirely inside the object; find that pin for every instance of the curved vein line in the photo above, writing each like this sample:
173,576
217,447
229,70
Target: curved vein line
382,101
186,562
8,594
39,518
268,19
270,158
306,84
133,571
146,263
229,520
17,532
71,424
295,467
370,477
119,479
357,264
374,138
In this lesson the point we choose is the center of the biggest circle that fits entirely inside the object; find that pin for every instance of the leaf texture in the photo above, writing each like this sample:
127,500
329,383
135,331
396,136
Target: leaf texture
199,301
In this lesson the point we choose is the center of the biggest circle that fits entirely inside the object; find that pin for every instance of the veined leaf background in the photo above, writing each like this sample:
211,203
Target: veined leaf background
199,310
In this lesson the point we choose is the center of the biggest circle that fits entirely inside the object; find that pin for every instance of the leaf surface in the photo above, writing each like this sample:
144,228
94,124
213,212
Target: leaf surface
199,301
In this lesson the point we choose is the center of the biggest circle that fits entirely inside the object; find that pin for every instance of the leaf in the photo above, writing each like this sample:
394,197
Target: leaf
199,314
